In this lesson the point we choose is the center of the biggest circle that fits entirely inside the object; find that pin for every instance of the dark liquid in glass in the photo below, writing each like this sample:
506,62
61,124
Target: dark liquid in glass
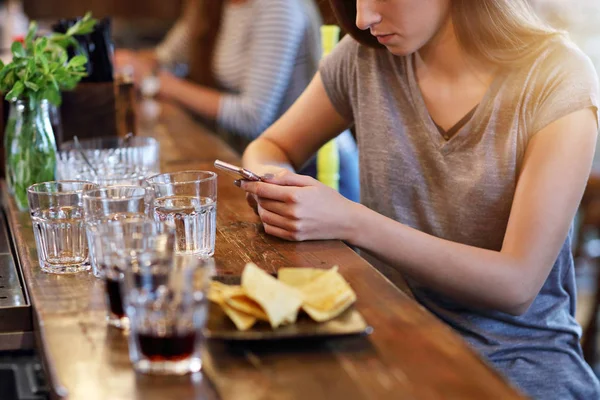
113,291
167,348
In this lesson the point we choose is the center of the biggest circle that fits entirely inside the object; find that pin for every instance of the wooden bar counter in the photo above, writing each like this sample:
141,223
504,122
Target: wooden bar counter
409,355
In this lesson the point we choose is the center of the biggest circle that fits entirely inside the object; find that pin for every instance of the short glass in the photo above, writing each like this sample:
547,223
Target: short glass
116,175
167,309
107,153
111,204
125,243
188,201
58,225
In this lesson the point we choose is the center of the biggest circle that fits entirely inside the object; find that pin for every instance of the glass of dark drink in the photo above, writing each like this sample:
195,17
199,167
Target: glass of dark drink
167,309
129,244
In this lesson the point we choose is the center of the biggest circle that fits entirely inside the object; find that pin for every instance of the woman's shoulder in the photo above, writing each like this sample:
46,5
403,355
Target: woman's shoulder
561,59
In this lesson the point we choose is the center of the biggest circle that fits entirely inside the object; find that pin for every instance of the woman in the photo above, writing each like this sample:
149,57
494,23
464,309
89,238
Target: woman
249,61
476,127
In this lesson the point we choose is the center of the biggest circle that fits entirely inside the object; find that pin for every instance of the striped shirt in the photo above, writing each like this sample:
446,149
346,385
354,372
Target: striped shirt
266,53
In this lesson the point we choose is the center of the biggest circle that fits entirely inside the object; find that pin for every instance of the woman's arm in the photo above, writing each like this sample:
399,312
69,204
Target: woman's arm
299,133
202,100
554,174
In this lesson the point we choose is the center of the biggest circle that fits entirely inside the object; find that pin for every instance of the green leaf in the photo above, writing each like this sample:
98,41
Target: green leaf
41,44
9,80
77,61
31,33
32,86
53,95
83,26
45,66
17,50
16,91
54,83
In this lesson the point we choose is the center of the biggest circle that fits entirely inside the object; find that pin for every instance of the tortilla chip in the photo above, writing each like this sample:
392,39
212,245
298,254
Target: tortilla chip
218,293
328,292
322,316
298,277
279,301
245,304
241,320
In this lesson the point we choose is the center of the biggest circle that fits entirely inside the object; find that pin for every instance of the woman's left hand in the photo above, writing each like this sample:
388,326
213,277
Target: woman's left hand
297,208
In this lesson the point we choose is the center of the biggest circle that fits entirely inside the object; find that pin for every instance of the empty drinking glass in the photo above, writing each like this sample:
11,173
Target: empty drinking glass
167,309
128,244
188,202
111,204
116,175
58,225
108,153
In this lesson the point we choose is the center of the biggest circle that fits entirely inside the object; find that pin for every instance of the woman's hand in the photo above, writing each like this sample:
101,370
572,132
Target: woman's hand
298,207
266,172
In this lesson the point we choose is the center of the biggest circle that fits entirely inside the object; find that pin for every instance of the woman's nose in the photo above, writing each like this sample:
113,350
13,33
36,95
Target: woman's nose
366,16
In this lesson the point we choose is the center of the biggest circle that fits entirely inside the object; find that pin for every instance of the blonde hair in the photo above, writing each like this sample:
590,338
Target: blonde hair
502,32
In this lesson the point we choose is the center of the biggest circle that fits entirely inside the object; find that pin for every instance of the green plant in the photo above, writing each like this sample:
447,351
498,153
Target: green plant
41,69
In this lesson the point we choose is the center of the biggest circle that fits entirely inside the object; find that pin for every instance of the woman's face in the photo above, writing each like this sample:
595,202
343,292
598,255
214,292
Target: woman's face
402,26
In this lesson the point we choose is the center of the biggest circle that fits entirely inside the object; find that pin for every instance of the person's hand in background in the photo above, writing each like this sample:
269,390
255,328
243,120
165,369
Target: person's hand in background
137,64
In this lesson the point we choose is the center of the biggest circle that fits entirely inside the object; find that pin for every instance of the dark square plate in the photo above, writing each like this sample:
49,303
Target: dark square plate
219,326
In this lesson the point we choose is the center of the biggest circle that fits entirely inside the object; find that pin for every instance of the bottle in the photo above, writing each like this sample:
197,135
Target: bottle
328,158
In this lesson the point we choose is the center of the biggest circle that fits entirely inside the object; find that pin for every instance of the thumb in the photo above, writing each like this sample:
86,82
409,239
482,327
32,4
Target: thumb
288,178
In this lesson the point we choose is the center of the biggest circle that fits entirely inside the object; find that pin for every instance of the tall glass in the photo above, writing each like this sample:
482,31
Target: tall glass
58,225
125,243
167,309
188,202
111,204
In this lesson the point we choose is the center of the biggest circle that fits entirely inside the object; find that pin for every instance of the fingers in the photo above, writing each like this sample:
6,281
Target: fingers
251,200
287,178
279,221
270,191
280,208
282,233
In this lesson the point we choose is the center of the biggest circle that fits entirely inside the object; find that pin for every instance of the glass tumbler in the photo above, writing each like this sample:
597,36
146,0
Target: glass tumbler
115,175
111,204
125,244
58,225
188,201
140,152
167,309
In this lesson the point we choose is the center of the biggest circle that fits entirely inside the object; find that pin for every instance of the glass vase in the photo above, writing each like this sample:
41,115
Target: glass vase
30,148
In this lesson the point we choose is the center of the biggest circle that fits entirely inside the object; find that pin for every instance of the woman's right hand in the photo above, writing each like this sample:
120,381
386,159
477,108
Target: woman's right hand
265,171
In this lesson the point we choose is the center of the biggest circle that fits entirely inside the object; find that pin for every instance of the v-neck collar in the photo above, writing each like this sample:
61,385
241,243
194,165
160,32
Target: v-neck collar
464,133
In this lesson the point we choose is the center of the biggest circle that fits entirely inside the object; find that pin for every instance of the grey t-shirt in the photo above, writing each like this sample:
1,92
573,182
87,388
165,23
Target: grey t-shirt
462,190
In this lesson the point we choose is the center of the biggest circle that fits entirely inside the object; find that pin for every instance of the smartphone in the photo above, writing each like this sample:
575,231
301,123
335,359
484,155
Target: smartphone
237,172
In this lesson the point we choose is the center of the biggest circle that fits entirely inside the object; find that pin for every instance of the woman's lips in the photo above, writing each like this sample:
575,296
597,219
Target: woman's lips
383,39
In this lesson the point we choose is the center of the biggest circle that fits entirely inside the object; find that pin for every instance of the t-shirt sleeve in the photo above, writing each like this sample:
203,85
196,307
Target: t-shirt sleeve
567,82
338,73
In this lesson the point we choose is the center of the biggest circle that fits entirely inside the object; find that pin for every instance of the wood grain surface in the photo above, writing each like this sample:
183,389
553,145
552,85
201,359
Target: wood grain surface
409,355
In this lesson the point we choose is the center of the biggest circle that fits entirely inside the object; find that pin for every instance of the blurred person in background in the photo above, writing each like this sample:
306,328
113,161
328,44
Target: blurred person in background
248,61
